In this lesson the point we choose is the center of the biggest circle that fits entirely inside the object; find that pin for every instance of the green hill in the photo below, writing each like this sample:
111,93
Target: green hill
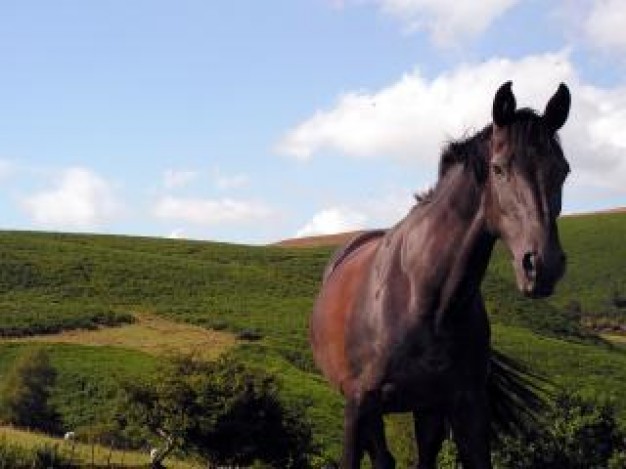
51,282
592,293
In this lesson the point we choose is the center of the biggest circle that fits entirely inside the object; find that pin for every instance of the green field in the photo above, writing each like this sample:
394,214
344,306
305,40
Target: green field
87,455
54,282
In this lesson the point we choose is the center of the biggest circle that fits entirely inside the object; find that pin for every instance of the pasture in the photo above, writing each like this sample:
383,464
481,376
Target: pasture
147,333
82,453
200,295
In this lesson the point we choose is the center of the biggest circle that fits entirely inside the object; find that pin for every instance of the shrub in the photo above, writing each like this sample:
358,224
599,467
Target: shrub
576,433
224,411
25,392
618,460
249,335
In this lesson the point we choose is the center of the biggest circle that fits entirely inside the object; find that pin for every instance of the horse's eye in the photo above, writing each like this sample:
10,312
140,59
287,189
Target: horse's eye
498,170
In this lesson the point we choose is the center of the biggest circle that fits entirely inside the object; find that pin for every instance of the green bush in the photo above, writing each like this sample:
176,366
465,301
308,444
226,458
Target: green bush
618,460
576,433
25,392
224,411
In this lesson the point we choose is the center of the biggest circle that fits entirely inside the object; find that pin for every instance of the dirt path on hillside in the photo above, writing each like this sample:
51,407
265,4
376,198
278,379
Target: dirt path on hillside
150,334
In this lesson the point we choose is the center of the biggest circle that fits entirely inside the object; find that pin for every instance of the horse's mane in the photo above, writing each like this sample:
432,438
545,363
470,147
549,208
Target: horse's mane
472,151
351,246
469,151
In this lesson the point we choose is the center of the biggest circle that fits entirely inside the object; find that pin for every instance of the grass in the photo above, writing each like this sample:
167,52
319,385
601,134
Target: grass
615,338
85,454
595,274
210,284
269,291
148,333
590,369
88,378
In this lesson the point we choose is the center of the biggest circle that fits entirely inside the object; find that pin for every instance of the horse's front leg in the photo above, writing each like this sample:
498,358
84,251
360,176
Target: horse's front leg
353,447
376,444
470,427
364,430
430,432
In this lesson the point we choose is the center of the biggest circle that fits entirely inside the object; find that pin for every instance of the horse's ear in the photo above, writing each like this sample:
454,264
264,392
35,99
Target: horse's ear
557,109
503,105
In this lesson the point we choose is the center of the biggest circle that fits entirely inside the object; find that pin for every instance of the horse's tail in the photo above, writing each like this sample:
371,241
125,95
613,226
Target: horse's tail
516,394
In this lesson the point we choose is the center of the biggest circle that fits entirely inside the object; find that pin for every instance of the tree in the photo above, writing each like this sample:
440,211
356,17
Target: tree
25,392
225,411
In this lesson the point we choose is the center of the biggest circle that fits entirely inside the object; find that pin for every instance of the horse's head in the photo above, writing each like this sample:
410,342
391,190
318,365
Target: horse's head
527,169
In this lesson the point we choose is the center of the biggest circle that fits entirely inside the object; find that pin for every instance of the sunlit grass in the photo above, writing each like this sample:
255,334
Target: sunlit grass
85,454
150,334
619,339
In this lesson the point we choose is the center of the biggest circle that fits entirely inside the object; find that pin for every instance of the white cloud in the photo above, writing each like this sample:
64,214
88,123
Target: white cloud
373,212
211,211
80,199
175,178
447,21
410,120
178,233
333,220
236,181
605,24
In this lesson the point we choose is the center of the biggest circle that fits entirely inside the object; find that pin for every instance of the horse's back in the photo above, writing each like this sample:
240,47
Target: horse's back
335,303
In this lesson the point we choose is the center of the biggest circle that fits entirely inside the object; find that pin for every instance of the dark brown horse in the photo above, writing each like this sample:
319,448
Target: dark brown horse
400,325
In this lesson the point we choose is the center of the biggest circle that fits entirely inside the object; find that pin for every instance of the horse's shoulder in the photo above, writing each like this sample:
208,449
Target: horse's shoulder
350,247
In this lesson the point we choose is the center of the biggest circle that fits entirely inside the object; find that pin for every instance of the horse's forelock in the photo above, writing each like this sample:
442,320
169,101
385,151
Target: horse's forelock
528,130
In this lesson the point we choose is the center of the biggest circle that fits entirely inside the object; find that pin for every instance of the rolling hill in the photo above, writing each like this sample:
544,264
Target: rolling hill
51,283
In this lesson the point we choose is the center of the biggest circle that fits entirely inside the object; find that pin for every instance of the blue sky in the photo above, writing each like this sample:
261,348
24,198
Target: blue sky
250,121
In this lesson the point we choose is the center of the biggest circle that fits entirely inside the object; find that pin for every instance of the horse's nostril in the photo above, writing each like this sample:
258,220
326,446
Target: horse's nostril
529,263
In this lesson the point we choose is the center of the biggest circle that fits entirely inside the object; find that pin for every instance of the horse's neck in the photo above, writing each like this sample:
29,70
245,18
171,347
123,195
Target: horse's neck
455,228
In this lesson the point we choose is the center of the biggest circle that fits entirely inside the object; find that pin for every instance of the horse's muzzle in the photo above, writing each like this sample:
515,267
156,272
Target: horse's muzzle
540,277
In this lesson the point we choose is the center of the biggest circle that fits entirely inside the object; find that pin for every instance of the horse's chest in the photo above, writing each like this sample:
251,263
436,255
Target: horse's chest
425,375
421,359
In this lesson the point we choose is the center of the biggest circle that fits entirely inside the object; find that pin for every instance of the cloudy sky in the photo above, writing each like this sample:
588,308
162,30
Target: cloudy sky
252,121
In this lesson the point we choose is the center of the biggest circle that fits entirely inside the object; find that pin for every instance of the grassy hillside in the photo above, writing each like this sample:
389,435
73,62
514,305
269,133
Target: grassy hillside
88,378
52,282
595,278
150,334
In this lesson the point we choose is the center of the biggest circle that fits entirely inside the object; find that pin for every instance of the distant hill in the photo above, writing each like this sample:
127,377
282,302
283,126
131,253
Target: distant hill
338,239
599,212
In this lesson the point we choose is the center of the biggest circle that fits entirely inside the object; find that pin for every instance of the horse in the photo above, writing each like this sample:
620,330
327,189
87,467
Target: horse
399,324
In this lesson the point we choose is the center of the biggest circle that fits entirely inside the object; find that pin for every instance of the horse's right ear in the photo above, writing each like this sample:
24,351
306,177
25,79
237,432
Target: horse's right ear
504,105
557,108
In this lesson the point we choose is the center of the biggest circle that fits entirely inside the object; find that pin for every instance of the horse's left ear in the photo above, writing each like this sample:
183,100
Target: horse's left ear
557,109
503,111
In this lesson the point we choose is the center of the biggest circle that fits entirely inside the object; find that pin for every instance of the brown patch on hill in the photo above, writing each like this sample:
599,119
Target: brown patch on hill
149,333
337,239
340,239
599,212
